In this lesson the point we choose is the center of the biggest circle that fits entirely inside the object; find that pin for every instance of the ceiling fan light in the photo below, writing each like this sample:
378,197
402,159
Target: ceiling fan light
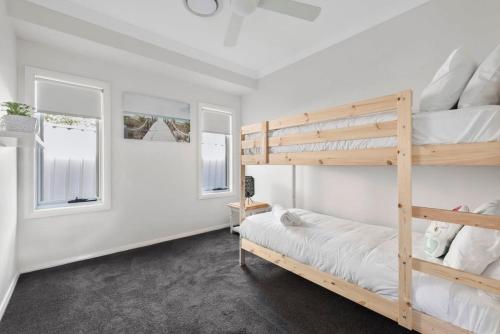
202,7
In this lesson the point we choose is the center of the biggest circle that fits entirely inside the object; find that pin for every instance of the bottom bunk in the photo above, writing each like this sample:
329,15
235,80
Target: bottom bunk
359,262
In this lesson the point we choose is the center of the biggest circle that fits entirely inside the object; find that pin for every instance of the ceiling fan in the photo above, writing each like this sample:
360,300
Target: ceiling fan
243,8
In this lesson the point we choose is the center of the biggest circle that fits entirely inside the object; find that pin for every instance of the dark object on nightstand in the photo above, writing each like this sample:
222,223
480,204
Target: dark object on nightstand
249,187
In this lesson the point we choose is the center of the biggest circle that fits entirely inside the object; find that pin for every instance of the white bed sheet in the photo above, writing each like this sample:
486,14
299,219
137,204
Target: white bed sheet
468,125
367,255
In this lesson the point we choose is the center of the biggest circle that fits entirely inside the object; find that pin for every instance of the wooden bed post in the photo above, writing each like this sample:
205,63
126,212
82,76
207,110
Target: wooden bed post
264,142
404,170
294,186
242,196
242,254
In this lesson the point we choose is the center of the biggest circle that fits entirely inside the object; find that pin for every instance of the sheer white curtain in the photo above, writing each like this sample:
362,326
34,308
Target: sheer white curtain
214,152
66,178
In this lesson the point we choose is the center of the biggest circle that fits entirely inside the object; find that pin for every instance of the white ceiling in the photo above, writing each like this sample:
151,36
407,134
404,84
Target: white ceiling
269,41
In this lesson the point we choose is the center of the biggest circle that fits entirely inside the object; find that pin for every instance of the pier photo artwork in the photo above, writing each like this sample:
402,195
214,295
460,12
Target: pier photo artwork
155,119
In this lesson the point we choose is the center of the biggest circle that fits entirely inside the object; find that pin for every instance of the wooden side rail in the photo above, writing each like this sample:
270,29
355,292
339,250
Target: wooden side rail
474,154
462,218
373,130
376,105
351,291
454,275
375,156
427,324
421,322
251,128
469,154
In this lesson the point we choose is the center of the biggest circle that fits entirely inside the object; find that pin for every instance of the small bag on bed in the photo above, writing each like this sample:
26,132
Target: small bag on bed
439,235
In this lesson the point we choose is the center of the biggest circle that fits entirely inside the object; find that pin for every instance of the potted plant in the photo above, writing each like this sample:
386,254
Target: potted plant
19,117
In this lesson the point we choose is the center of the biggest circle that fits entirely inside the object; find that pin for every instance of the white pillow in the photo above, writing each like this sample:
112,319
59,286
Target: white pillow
439,235
474,248
493,271
448,83
484,87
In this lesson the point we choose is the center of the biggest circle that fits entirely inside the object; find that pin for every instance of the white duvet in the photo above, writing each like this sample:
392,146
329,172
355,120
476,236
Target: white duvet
367,255
468,125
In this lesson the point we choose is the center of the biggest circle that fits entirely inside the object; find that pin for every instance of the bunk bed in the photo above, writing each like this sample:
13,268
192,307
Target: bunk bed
375,132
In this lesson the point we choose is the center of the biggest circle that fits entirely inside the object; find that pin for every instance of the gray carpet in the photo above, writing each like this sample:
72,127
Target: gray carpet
191,285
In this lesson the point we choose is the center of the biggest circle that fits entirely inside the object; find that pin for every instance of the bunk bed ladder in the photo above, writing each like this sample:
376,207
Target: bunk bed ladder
407,317
404,179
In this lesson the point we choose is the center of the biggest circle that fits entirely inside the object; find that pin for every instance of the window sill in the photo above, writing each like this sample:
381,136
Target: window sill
216,194
68,210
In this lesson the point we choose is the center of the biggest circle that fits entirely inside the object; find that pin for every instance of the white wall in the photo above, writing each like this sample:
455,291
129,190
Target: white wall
8,76
154,184
399,54
8,85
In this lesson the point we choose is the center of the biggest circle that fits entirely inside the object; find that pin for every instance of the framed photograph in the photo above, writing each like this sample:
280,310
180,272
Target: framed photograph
155,119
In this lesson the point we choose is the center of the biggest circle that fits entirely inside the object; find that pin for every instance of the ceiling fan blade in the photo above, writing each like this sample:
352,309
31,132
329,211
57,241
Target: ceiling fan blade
292,8
233,30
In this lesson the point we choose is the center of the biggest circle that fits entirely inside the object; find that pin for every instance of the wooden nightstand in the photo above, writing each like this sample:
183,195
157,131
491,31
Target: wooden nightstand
251,208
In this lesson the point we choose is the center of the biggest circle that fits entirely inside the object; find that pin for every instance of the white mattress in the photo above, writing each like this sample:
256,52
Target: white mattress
468,125
367,255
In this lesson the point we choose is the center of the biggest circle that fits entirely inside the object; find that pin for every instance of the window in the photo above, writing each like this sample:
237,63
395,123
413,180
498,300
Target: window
68,162
215,152
72,159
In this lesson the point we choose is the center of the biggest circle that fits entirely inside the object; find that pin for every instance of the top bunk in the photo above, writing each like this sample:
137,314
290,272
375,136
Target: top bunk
375,132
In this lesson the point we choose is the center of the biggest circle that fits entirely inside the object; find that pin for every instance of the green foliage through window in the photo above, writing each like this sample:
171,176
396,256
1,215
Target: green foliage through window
69,121
18,109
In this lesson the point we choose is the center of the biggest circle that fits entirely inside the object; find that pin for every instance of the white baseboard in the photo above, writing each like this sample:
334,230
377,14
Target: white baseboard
8,294
60,262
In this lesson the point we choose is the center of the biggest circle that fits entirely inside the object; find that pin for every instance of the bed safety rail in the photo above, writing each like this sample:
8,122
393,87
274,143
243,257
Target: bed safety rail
374,130
380,104
347,157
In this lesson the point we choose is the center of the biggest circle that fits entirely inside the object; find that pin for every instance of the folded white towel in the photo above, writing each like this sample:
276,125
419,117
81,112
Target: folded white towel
290,219
286,217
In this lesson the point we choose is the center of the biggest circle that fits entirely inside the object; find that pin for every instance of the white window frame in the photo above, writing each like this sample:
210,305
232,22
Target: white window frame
230,192
30,186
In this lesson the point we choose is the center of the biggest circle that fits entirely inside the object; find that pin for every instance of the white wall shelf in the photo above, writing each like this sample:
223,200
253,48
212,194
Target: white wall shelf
24,139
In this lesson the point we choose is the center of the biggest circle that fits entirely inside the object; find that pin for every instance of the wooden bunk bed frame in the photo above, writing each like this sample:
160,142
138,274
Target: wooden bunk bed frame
405,155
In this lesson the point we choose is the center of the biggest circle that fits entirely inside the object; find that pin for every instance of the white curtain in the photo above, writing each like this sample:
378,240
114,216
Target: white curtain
67,178
214,155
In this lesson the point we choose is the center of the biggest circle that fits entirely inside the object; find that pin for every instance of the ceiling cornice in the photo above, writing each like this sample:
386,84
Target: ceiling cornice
55,20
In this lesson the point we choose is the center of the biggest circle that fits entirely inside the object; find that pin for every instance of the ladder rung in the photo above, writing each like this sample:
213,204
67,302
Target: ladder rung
454,275
455,217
